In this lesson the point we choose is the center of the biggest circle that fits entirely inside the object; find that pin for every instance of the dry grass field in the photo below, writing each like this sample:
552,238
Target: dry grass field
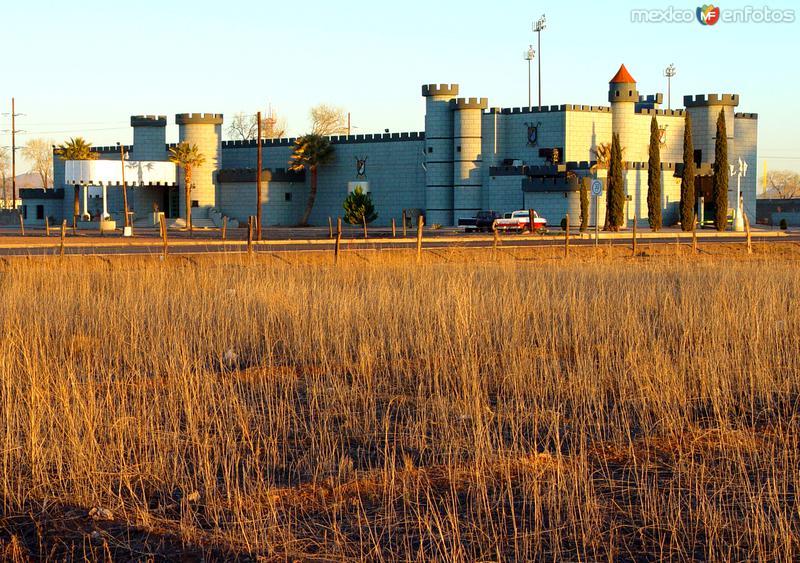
478,406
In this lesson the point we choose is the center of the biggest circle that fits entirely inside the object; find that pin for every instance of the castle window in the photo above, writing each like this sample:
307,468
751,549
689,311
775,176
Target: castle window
430,150
195,203
40,212
630,92
616,93
287,196
458,148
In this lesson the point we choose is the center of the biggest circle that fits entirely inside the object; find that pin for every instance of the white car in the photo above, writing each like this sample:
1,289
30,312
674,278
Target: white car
520,221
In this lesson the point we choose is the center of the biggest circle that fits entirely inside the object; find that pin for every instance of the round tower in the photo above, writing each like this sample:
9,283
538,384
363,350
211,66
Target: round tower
149,137
439,153
622,95
467,159
704,110
205,131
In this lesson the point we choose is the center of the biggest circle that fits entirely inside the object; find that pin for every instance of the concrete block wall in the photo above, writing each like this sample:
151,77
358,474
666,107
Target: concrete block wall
439,153
237,201
514,130
503,193
51,208
149,137
585,130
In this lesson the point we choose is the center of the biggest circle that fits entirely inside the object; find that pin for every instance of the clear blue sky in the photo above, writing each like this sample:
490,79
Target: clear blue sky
83,68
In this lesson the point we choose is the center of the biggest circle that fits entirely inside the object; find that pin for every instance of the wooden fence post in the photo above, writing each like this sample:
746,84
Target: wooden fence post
225,227
394,229
634,236
364,221
338,240
330,227
163,223
566,238
420,223
21,224
63,236
404,223
694,237
47,226
250,234
530,218
747,230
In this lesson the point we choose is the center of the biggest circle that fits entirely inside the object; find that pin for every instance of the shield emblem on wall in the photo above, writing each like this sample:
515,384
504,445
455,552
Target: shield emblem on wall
361,167
533,134
662,135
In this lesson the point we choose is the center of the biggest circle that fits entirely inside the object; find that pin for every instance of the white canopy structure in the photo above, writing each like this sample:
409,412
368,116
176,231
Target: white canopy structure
106,173
109,172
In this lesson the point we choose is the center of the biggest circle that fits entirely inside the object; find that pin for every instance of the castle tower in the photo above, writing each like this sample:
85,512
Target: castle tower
149,137
623,97
205,131
704,111
439,153
467,156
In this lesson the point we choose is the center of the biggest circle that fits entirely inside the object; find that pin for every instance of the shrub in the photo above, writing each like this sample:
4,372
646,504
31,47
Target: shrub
784,224
358,207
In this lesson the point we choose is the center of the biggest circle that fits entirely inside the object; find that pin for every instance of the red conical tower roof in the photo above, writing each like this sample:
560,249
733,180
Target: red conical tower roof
622,76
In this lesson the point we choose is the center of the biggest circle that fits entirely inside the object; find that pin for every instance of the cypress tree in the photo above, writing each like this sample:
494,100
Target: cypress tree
654,178
615,202
720,179
687,181
584,206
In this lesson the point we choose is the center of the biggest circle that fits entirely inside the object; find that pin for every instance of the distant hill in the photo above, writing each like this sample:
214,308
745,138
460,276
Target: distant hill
29,180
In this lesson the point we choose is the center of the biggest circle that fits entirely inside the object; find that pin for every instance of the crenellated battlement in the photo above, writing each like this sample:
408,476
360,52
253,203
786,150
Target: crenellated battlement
112,149
703,100
335,139
439,90
148,121
651,99
741,115
667,112
469,103
551,109
198,118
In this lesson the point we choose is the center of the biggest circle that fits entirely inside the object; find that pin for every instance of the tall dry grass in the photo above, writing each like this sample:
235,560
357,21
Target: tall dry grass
485,411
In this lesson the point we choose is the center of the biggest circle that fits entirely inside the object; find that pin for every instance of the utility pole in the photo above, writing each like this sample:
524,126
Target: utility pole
538,27
258,176
348,123
669,72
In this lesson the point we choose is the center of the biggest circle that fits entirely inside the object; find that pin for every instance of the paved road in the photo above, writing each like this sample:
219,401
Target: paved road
210,247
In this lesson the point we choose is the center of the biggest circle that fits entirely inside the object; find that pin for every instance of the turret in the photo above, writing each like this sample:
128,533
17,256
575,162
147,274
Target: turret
149,137
623,96
439,152
704,110
467,155
205,131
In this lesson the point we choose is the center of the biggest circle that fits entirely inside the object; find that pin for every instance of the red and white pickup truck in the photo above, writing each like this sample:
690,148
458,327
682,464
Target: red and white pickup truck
519,221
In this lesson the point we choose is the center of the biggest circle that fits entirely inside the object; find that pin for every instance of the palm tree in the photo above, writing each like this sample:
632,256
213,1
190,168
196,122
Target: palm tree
311,151
602,155
76,148
187,156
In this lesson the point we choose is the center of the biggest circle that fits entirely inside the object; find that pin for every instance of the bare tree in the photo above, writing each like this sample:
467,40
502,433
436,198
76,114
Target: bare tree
783,184
39,152
244,127
5,168
328,120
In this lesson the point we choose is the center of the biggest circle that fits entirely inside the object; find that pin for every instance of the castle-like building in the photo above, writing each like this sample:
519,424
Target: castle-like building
470,157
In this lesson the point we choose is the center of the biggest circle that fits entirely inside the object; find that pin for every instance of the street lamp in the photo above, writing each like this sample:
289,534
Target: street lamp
538,27
528,56
741,172
669,72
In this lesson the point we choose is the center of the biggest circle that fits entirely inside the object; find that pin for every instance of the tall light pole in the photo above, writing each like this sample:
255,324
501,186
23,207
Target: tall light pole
538,27
528,56
669,72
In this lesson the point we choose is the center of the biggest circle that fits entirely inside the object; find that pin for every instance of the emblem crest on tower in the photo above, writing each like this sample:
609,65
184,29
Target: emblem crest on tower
533,133
361,167
662,135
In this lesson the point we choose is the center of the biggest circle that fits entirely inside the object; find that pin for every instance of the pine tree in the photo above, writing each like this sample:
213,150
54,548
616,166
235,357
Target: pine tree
720,179
615,203
654,178
358,206
687,181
